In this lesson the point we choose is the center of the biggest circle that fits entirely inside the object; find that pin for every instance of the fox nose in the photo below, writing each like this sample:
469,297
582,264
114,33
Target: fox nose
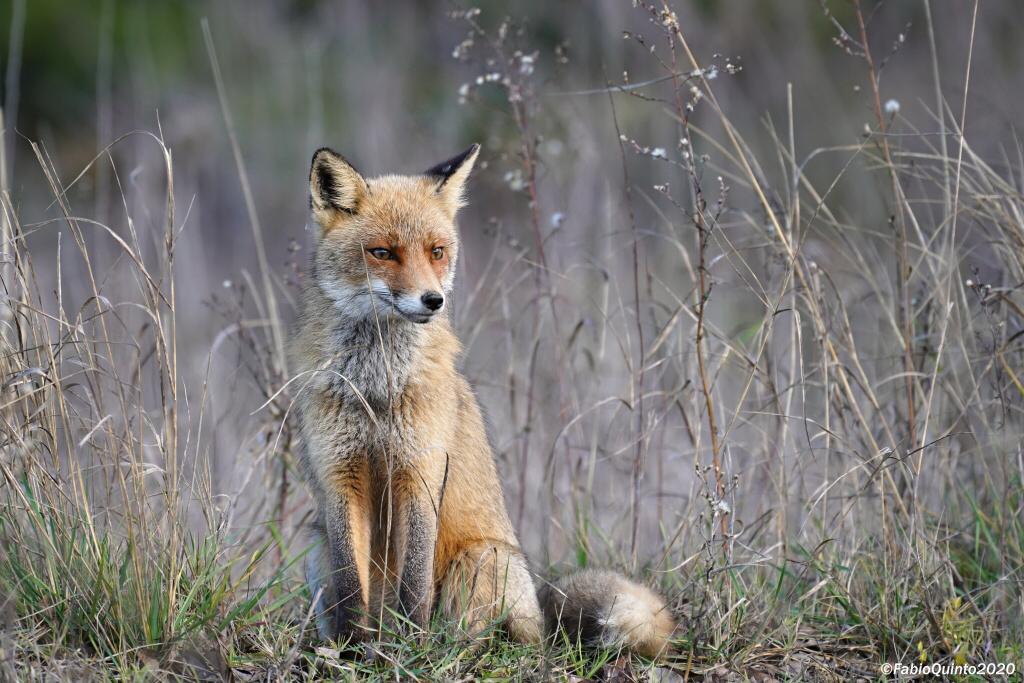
432,300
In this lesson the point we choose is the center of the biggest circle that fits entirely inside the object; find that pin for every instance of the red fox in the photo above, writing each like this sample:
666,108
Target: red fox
410,512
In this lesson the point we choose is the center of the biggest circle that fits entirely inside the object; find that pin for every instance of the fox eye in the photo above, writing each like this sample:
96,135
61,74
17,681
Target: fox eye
437,253
380,253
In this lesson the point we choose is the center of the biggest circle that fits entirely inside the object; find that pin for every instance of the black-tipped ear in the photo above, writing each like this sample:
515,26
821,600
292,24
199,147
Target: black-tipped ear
446,169
451,176
334,185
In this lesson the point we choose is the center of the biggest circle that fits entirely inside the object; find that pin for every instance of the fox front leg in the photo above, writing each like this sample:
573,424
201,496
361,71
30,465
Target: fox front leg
416,540
347,521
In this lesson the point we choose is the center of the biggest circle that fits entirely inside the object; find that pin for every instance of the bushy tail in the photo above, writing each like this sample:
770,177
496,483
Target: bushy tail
603,609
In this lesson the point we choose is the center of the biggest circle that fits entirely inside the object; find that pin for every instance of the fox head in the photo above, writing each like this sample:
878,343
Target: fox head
387,245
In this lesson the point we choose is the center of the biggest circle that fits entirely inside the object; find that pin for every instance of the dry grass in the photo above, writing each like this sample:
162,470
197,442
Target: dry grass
803,423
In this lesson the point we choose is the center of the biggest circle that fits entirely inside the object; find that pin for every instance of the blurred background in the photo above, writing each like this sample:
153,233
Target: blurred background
602,450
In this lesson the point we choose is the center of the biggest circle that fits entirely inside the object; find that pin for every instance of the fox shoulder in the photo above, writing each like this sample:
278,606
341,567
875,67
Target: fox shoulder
604,609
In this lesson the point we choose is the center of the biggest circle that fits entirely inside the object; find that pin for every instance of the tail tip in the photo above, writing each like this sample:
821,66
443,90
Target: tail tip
604,609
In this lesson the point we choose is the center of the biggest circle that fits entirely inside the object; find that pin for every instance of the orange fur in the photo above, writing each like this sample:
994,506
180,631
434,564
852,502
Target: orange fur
394,449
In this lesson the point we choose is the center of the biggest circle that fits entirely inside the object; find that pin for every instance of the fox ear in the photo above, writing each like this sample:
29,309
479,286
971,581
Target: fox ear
451,177
334,186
